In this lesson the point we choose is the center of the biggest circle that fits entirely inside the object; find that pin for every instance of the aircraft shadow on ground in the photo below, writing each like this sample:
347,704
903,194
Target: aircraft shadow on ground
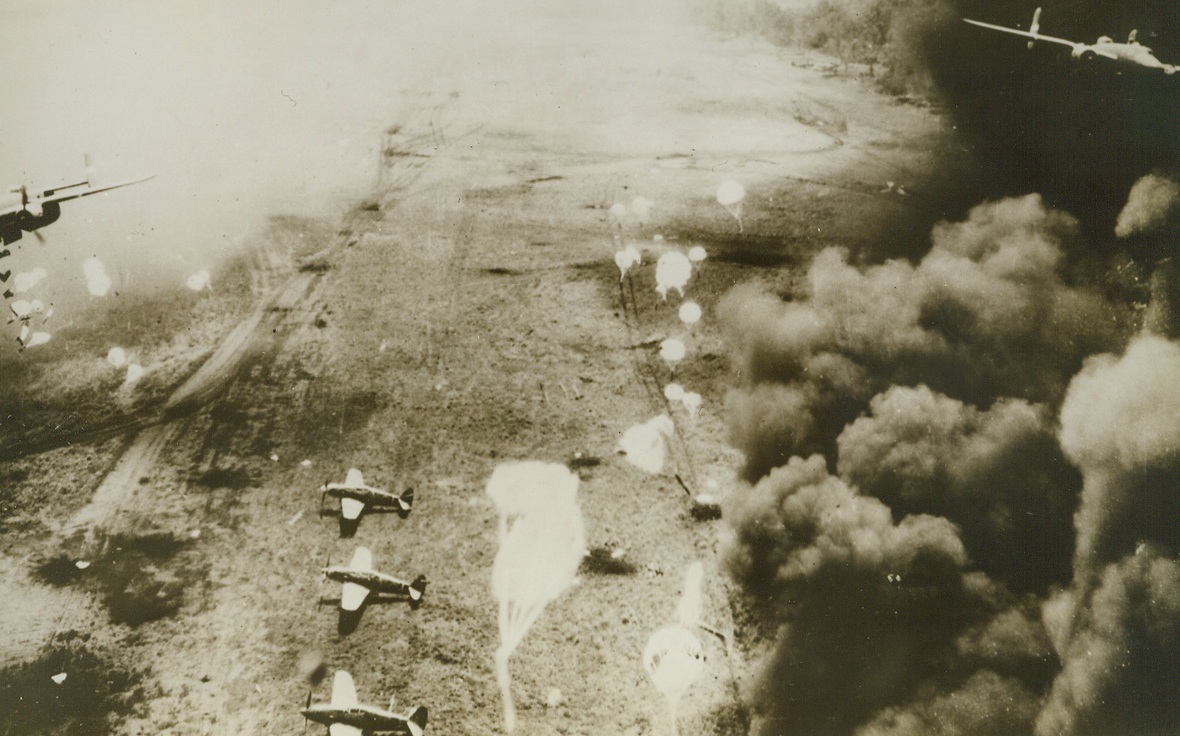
348,621
348,527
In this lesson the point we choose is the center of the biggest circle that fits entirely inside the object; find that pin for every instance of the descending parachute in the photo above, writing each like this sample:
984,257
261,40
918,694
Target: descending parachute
673,351
672,272
97,281
199,281
674,657
690,313
645,445
730,195
626,258
542,542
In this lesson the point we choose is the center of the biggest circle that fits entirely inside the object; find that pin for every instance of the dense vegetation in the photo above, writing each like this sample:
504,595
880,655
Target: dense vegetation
886,37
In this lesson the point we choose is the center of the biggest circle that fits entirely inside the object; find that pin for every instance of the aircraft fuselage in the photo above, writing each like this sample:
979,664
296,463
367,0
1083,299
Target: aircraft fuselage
365,717
1133,53
377,582
368,496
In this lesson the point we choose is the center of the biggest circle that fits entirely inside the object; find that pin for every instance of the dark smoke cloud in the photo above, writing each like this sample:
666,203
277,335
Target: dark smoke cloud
869,607
999,474
956,392
1120,424
1120,644
1151,206
1117,628
985,314
986,705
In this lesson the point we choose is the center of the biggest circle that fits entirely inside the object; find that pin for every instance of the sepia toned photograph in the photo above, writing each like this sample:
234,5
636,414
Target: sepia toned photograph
579,367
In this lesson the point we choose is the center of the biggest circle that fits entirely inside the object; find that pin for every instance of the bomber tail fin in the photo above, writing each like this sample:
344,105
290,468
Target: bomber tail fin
1035,27
407,498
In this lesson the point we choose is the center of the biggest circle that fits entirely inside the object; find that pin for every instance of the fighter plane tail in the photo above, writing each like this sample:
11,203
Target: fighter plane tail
418,588
417,721
407,499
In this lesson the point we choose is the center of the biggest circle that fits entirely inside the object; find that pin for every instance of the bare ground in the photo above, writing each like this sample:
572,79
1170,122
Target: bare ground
470,313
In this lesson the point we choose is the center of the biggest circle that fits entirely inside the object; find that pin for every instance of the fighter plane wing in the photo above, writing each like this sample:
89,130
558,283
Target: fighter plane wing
354,478
351,508
343,690
1026,34
353,596
343,729
362,559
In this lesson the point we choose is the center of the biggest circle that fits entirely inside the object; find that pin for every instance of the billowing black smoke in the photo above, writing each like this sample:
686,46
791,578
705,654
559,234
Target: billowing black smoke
986,314
981,539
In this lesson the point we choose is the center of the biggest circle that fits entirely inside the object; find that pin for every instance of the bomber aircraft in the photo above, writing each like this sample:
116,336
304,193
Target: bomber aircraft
1131,52
24,212
344,716
354,495
360,579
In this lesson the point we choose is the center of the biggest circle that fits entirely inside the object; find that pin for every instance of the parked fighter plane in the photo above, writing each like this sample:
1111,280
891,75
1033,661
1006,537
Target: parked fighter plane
1131,52
360,579
28,212
354,495
344,716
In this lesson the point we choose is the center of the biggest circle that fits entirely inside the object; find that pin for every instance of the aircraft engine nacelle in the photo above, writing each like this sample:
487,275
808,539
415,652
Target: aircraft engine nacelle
35,215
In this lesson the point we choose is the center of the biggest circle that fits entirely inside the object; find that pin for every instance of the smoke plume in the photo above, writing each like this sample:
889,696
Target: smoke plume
986,313
988,429
869,607
998,474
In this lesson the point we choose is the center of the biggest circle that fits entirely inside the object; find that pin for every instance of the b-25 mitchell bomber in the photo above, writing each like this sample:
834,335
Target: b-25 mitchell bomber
354,495
1131,52
24,212
344,716
360,580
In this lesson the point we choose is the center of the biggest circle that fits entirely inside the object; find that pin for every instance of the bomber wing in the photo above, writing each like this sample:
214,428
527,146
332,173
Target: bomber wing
1026,34
83,189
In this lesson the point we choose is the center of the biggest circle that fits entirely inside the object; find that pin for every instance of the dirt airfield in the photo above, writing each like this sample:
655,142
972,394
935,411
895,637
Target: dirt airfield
466,311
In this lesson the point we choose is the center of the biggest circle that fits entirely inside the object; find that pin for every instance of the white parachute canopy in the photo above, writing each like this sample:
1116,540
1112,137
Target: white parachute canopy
117,357
135,372
22,309
672,351
32,340
673,392
672,272
673,659
641,206
692,402
697,253
97,281
542,542
646,445
26,280
690,313
198,281
626,258
730,195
